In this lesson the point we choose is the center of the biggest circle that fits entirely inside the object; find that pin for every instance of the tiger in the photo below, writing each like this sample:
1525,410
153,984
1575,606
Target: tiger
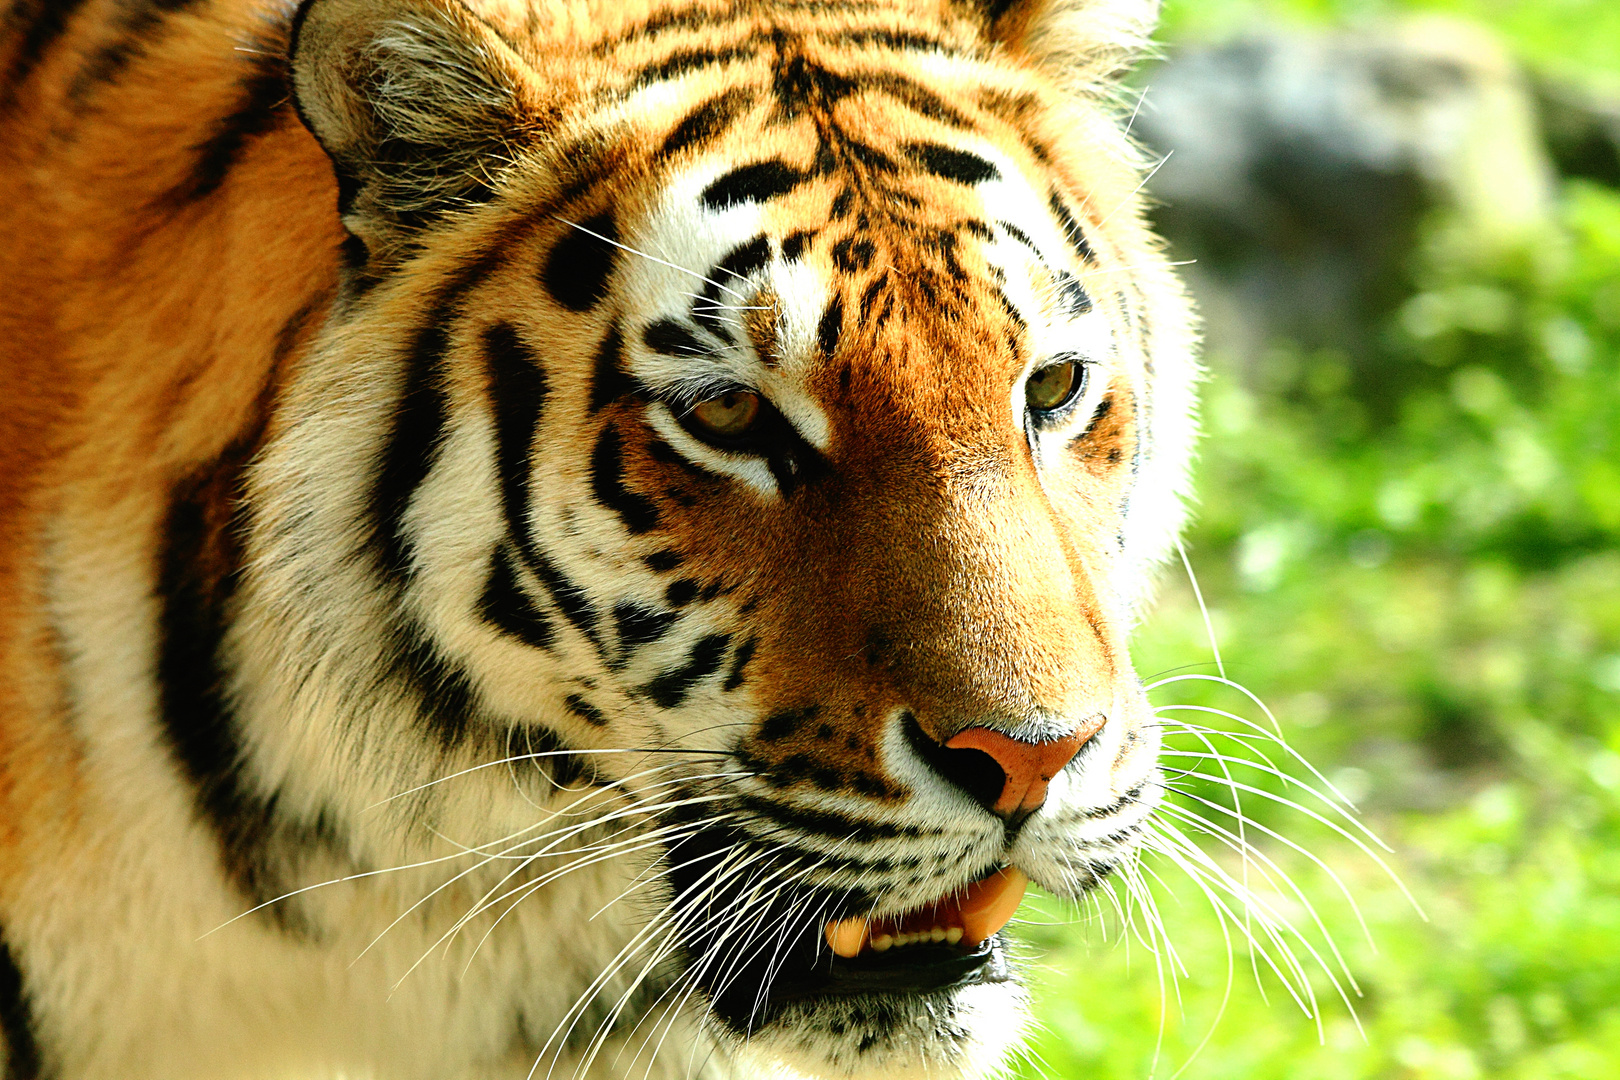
578,538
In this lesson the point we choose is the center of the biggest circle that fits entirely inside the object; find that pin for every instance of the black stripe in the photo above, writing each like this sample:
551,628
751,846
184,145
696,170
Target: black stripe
410,448
916,97
1021,236
683,61
638,626
570,599
758,182
196,580
607,483
47,21
729,273
442,688
671,688
585,710
420,417
505,606
609,380
739,661
786,723
706,121
951,164
108,62
795,243
832,826
1076,301
16,1019
853,254
517,392
669,337
1071,228
580,265
662,562
831,325
264,99
543,749
681,592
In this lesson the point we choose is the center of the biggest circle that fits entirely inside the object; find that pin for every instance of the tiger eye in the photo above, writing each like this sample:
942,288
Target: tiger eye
1052,387
727,416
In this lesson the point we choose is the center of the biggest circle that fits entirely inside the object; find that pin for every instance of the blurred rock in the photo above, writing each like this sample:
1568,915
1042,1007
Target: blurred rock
1301,166
1582,129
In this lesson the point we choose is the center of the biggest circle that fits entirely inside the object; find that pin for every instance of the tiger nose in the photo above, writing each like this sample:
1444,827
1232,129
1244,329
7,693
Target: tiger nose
1025,768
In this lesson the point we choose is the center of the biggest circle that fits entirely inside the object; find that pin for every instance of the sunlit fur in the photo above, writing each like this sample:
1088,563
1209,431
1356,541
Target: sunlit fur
393,685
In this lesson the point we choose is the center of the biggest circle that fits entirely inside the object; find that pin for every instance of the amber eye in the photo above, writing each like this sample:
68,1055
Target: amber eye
726,417
1051,388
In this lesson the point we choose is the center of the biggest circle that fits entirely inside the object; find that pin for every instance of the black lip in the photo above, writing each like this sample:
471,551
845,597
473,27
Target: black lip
910,969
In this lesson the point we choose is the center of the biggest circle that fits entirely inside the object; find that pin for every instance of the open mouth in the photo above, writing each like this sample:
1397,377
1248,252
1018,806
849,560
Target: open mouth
948,943
969,918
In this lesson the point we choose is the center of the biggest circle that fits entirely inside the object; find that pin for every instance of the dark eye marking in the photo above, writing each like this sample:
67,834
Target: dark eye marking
670,338
759,182
727,274
579,265
680,593
706,121
662,562
951,164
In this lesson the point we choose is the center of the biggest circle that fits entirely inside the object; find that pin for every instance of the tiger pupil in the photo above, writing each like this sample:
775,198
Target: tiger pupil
1051,387
730,414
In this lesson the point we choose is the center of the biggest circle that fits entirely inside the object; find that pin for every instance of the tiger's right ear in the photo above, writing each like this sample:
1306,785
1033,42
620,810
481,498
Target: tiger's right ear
417,102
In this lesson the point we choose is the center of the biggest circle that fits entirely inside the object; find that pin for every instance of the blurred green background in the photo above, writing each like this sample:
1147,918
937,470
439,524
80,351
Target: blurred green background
1418,571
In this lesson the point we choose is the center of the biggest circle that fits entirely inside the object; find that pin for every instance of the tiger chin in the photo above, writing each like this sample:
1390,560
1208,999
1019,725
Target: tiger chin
567,537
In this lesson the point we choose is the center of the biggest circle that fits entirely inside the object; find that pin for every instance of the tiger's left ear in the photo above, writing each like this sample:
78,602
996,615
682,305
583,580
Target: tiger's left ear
418,103
1084,44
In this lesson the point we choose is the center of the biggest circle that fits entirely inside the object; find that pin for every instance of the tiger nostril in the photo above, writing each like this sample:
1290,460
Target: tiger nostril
1006,776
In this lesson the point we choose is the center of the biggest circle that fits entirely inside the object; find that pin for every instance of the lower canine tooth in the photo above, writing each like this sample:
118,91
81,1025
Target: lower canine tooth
847,936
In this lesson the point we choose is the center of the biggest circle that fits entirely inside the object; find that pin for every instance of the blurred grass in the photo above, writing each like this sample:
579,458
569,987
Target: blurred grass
1421,575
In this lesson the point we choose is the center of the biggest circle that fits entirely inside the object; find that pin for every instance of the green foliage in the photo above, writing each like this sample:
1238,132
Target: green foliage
1416,563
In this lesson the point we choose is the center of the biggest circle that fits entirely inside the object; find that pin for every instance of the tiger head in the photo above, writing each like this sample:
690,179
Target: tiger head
765,417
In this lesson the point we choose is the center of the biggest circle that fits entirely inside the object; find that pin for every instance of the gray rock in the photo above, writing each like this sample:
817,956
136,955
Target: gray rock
1301,167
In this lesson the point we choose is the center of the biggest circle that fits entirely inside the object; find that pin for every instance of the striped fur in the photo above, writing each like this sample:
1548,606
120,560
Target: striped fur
391,682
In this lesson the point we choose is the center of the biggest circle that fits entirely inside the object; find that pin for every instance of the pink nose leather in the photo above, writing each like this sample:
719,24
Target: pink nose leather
1028,767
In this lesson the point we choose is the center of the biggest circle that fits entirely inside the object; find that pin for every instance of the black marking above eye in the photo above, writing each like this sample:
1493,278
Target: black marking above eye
1071,228
706,121
670,338
579,266
1076,301
517,395
951,164
759,182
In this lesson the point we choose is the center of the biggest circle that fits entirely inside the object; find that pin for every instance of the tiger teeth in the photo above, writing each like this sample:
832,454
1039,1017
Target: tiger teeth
972,916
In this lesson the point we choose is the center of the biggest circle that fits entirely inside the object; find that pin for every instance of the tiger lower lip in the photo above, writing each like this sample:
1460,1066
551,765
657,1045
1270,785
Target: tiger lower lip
970,917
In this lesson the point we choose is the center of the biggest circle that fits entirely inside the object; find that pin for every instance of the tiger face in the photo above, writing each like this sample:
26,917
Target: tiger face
751,426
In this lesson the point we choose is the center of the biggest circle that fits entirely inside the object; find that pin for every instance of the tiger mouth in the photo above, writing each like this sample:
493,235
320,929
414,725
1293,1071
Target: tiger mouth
946,944
970,917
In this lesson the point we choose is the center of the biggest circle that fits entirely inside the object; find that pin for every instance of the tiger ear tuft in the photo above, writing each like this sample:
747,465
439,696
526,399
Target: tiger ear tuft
417,103
1085,44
